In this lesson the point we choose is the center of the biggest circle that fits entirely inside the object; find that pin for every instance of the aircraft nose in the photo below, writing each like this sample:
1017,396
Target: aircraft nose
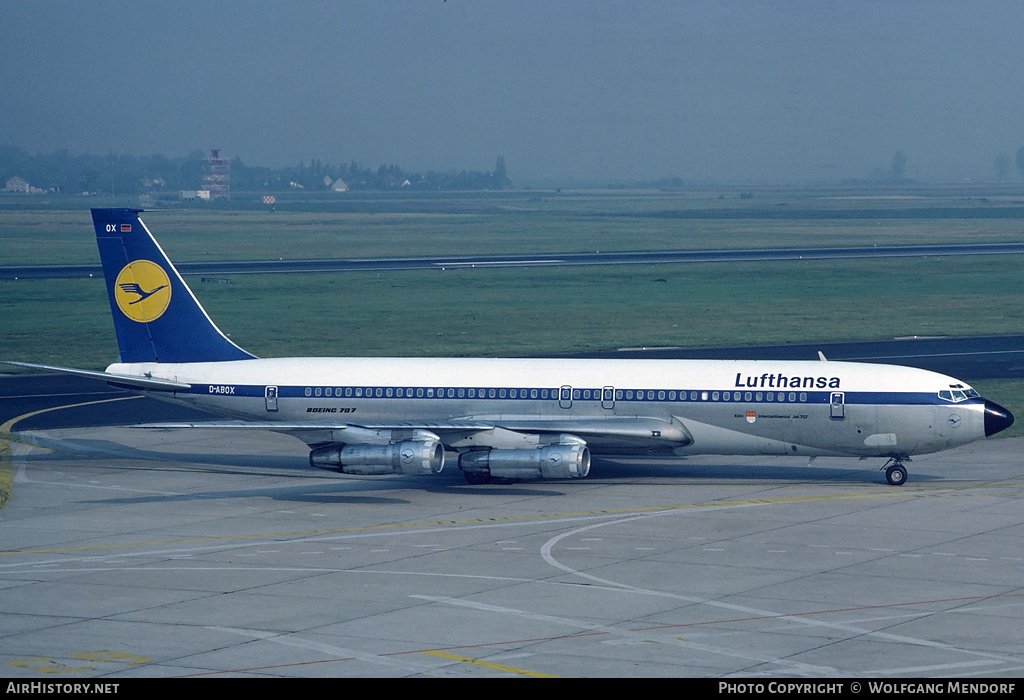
997,418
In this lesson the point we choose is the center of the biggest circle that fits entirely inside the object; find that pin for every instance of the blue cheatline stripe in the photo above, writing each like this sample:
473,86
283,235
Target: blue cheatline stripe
673,396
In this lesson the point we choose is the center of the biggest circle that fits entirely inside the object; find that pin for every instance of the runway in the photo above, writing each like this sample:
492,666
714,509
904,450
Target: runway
131,552
238,267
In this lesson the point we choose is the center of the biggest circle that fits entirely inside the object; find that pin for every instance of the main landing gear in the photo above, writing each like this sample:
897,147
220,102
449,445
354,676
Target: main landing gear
895,472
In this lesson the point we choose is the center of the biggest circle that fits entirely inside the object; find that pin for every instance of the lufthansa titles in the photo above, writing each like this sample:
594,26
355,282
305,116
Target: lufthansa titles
781,381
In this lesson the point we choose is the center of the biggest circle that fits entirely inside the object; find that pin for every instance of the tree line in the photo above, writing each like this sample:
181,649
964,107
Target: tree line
115,174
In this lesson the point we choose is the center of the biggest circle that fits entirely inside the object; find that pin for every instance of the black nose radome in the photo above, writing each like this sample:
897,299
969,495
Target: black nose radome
997,418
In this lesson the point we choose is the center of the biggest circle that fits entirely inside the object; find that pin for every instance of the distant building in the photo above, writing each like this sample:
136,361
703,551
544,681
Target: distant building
338,186
17,184
217,175
193,195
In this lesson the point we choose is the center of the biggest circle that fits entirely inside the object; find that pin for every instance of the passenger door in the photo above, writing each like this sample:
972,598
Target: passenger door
837,407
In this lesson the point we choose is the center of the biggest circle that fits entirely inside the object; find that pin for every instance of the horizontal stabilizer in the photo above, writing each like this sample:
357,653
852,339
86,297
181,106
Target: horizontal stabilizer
126,381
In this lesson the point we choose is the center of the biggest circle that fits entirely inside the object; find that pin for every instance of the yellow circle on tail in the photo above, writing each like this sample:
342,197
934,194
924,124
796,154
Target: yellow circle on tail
142,291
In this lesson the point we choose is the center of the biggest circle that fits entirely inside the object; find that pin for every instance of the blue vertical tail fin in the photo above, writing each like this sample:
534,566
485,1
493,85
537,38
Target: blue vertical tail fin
156,316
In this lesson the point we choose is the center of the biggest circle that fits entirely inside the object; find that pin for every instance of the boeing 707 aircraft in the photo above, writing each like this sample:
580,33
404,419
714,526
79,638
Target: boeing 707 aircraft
513,418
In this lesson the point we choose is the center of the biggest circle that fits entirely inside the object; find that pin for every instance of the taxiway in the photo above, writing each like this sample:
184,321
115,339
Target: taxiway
131,552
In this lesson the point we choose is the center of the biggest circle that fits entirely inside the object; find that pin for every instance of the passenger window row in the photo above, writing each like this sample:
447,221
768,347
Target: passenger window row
553,394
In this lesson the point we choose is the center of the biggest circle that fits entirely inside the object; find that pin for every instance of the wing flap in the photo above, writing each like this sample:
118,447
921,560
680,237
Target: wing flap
623,429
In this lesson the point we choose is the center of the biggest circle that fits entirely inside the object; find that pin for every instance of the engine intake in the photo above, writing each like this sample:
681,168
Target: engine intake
407,457
550,462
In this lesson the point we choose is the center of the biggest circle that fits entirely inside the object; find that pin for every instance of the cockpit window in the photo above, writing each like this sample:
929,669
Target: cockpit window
958,395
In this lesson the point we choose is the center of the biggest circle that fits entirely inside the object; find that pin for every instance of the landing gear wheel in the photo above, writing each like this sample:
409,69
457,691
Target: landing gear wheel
477,478
896,475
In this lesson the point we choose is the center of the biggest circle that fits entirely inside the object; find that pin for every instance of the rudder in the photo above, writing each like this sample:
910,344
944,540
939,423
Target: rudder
156,316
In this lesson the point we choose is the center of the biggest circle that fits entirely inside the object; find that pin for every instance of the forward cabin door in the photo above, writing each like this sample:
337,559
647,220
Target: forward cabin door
837,407
271,398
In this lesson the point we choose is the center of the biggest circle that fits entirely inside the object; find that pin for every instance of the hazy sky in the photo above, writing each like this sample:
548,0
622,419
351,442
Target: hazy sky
729,91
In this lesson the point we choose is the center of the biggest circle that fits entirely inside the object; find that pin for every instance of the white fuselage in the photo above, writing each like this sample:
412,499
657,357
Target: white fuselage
660,406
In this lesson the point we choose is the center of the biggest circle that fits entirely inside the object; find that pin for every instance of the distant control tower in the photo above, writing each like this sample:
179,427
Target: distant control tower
217,175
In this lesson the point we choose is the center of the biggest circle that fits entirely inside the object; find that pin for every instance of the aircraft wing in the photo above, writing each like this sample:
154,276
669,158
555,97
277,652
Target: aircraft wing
124,381
299,426
482,431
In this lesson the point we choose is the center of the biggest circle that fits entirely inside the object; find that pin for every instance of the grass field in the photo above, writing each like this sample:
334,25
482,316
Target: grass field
482,312
378,226
487,312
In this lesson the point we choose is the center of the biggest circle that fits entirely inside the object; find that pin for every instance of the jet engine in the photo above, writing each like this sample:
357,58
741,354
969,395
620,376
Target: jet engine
549,462
406,457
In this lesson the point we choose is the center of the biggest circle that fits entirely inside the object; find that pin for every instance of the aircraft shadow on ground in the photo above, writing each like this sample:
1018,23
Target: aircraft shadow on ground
338,493
340,487
685,470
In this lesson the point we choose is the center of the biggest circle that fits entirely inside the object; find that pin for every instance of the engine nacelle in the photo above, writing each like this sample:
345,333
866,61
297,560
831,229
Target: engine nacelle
550,462
407,457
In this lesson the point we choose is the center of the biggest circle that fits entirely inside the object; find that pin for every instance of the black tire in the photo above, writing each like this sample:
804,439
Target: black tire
896,475
477,478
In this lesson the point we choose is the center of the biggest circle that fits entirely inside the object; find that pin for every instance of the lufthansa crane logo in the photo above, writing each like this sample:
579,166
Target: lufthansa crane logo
142,291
